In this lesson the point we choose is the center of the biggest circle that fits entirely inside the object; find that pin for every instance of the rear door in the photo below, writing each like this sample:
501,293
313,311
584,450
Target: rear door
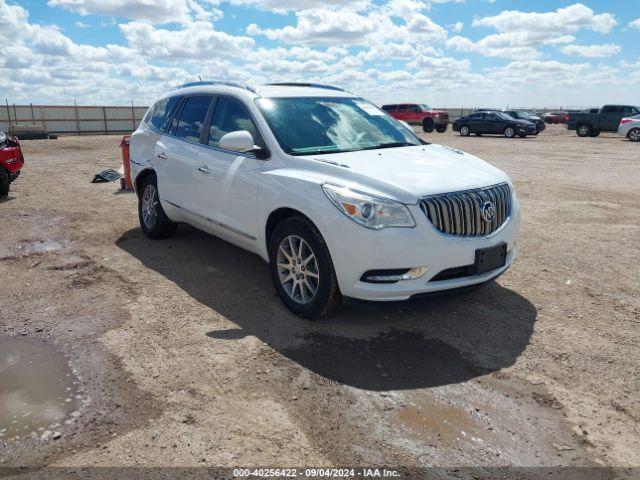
178,151
228,180
403,112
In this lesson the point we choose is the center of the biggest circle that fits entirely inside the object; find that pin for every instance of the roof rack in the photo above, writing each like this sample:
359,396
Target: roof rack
312,85
214,82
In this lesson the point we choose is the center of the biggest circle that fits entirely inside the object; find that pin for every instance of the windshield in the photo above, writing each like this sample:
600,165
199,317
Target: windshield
313,125
504,116
524,115
425,107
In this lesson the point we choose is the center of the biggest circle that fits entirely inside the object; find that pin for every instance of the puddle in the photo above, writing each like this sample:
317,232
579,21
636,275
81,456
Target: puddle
433,422
38,391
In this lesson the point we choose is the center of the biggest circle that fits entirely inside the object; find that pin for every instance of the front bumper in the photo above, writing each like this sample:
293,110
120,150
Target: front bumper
526,129
356,250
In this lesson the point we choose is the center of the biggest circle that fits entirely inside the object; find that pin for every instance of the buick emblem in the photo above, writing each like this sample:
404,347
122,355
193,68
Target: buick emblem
488,212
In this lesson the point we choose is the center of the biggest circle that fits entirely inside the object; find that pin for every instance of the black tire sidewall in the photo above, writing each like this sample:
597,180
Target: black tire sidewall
4,182
428,125
163,227
588,131
328,282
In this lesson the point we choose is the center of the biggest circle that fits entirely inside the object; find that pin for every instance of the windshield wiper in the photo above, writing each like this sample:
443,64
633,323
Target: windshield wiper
391,145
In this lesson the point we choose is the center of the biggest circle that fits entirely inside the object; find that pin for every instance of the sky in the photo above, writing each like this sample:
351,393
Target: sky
446,53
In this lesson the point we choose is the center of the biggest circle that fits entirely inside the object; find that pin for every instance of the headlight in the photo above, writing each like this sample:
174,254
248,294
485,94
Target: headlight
369,211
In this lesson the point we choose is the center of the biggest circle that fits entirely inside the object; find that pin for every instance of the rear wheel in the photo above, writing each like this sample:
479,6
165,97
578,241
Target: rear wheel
154,222
465,130
634,135
583,130
427,125
441,128
301,269
509,132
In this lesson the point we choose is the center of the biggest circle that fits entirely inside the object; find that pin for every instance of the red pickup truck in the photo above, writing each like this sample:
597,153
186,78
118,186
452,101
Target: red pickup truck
419,114
11,162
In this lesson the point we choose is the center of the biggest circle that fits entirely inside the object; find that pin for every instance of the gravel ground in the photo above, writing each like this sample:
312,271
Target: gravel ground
189,359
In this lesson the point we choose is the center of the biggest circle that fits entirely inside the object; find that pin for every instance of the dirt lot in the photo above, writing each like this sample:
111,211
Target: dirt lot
182,354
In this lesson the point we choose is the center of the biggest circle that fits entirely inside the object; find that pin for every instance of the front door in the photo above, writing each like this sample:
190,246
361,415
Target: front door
227,180
177,154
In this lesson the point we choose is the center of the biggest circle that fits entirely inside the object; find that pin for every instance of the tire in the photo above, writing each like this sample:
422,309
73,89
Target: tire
153,221
4,183
308,296
478,134
595,133
442,128
509,132
522,135
465,131
427,125
634,135
583,130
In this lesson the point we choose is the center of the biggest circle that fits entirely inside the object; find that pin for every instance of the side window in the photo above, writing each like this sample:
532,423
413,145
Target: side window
610,109
230,116
403,108
629,111
414,108
475,116
161,112
192,118
389,108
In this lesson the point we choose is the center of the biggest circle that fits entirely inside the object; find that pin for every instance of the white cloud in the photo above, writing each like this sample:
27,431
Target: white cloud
564,20
634,24
197,40
154,11
521,33
591,51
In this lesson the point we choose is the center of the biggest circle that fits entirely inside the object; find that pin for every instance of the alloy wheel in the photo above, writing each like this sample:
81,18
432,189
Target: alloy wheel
634,135
149,206
509,132
298,269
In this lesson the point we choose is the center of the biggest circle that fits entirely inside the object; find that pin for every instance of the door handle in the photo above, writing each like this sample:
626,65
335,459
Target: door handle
204,169
162,155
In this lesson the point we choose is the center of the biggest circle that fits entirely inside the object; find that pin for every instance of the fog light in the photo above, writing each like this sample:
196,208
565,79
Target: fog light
393,276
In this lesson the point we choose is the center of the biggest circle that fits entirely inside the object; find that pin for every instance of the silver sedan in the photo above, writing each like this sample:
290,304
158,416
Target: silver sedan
630,128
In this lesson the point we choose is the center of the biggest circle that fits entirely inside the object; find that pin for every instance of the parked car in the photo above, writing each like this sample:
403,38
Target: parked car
280,171
555,117
419,114
540,125
606,120
481,123
11,162
630,128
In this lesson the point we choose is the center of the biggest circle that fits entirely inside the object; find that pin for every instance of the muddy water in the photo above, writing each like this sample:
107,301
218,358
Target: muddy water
38,391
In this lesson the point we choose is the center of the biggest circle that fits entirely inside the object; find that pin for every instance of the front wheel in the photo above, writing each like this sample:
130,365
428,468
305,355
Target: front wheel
154,222
441,128
634,135
427,125
509,132
301,269
465,131
522,135
583,131
594,133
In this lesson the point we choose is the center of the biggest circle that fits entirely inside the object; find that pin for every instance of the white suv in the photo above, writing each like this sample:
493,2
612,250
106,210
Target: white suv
337,196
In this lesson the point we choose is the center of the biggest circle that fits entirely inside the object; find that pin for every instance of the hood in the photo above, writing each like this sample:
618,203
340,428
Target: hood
524,122
408,173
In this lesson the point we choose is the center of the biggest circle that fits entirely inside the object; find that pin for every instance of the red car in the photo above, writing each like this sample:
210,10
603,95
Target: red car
11,161
419,114
556,117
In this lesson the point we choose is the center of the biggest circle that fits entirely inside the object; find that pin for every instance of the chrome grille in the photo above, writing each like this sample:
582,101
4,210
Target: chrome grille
460,213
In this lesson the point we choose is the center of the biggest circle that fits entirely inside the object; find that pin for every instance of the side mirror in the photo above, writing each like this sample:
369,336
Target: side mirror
238,141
